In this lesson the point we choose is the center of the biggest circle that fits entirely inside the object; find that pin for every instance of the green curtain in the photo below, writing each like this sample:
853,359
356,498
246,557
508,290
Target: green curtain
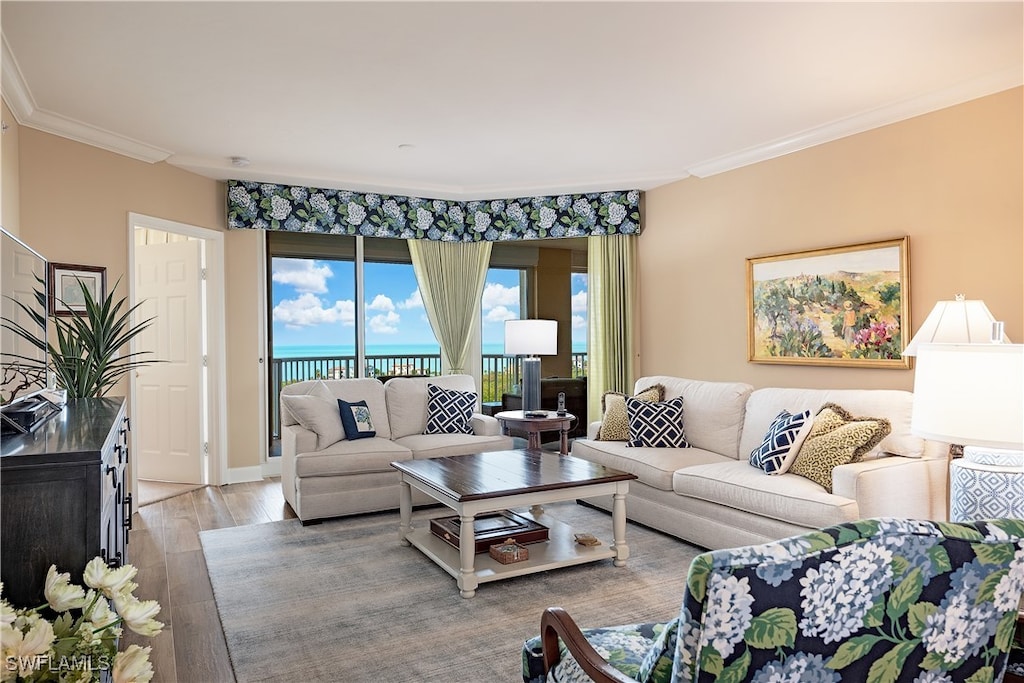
451,279
611,296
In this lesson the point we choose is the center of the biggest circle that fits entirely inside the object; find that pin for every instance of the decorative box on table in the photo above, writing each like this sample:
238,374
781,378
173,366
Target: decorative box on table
509,551
490,528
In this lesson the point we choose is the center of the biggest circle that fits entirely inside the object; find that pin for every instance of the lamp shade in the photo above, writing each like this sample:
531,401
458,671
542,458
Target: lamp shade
970,394
960,321
531,337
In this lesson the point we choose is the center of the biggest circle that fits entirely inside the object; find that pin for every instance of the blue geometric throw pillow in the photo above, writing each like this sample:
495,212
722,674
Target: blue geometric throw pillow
656,425
449,411
355,419
780,445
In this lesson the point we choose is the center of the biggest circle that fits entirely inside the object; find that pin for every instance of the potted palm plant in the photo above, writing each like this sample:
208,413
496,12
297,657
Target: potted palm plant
85,353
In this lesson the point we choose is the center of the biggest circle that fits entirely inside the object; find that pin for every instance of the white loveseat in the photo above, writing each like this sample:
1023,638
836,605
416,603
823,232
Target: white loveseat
710,495
327,477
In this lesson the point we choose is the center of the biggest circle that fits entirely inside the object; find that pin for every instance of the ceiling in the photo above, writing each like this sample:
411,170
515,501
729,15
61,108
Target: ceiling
474,100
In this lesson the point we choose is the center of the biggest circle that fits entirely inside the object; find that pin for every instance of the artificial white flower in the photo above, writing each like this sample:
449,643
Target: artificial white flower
98,612
138,614
22,648
60,593
132,665
108,581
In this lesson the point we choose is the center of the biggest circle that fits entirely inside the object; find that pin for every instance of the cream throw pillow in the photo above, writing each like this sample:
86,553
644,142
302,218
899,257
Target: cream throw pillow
318,412
836,438
614,420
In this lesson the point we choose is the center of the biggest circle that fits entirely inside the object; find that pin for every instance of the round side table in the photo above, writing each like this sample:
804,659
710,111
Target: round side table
516,419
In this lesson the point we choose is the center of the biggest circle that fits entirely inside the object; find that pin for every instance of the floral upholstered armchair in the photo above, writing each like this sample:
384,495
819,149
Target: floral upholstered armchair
878,600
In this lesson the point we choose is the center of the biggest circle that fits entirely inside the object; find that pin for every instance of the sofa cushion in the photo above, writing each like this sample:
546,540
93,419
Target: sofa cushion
780,445
314,387
356,419
438,445
407,400
614,419
893,404
351,457
318,415
449,411
836,438
652,466
356,389
785,497
714,411
656,424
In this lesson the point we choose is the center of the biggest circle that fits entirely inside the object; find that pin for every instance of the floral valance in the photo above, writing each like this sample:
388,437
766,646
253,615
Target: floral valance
266,206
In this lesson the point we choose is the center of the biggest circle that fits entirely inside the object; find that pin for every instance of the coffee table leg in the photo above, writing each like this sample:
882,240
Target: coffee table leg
619,529
467,553
404,511
564,450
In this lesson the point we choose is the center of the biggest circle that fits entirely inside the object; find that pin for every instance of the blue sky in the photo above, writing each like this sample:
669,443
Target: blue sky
313,304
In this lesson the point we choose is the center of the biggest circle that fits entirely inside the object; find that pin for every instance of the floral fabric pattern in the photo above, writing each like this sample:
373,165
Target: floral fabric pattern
266,206
874,601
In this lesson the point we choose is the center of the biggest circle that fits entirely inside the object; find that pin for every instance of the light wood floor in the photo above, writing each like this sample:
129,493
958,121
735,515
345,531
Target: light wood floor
164,546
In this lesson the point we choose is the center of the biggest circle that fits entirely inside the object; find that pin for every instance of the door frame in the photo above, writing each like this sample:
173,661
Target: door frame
216,400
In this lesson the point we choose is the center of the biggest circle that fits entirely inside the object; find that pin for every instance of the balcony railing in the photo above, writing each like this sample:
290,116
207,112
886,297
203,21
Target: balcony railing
501,374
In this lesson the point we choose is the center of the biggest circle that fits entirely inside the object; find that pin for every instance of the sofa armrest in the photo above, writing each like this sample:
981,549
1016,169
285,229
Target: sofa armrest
485,425
297,439
894,486
593,429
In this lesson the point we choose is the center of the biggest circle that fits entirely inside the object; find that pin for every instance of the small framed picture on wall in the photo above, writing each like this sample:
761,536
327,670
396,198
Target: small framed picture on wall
65,286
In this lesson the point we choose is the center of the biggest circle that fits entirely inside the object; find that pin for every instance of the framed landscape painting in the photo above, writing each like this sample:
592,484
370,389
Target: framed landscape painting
844,306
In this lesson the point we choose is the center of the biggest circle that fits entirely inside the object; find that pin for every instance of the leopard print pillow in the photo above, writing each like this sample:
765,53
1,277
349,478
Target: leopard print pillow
836,438
614,421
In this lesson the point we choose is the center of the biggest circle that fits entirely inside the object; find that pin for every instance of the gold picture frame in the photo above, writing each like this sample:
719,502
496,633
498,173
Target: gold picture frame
843,306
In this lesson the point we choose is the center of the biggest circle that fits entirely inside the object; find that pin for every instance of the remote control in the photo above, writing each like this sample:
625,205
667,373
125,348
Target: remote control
561,404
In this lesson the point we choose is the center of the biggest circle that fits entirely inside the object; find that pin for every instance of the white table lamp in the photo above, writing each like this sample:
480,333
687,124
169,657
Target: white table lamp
973,394
961,321
531,338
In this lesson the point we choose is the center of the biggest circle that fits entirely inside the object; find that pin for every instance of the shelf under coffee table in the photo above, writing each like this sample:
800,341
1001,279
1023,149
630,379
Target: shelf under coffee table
502,480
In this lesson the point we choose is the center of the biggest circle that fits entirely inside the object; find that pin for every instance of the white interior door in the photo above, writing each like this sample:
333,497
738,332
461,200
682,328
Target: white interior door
170,422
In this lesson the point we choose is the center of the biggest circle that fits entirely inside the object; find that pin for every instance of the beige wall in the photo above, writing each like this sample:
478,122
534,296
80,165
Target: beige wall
75,201
950,180
9,153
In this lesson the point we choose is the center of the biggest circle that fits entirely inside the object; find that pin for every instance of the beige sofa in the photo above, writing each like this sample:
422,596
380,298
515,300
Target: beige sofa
324,475
710,495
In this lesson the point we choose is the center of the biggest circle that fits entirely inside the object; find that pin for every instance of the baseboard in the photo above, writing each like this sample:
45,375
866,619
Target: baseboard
271,468
238,475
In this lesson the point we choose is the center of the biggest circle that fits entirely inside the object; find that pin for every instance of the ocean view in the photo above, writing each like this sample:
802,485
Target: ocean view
334,351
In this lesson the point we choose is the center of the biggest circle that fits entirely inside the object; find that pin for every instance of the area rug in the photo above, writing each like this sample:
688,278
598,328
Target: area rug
344,601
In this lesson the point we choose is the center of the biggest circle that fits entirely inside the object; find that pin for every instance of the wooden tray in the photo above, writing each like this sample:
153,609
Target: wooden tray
490,528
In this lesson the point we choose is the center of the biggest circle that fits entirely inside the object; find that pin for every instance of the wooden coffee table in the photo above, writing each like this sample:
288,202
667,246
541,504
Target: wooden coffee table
500,480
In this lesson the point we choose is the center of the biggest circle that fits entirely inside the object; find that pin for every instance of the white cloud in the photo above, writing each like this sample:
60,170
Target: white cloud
415,300
579,322
579,302
499,295
499,314
381,303
308,310
580,278
385,323
302,274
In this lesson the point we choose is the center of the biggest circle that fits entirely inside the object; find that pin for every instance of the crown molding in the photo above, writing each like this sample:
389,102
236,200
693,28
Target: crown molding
19,98
998,81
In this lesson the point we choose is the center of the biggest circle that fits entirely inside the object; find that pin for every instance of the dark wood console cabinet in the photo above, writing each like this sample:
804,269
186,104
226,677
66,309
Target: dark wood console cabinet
63,497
